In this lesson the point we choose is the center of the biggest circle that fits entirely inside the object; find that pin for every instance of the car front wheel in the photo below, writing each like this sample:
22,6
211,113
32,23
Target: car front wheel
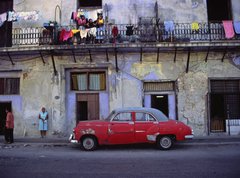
165,142
89,143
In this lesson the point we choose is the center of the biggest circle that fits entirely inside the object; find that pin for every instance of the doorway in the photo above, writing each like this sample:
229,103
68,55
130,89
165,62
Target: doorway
219,10
3,106
87,107
6,28
224,103
217,123
160,102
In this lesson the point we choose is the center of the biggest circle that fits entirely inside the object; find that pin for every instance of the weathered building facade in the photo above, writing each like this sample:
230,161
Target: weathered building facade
190,73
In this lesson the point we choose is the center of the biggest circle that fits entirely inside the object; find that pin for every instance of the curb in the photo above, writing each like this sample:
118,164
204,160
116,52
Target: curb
48,145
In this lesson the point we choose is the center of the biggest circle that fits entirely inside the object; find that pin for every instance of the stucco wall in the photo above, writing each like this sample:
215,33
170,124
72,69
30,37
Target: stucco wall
46,11
236,10
40,87
128,11
121,11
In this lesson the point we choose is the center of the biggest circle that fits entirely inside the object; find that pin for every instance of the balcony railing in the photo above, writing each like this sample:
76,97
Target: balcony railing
135,33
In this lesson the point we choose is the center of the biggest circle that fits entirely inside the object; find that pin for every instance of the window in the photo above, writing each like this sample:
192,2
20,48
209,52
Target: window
140,116
124,116
88,81
158,86
90,3
9,86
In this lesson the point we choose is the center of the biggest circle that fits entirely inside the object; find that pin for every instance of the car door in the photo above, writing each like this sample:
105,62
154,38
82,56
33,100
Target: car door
145,124
121,129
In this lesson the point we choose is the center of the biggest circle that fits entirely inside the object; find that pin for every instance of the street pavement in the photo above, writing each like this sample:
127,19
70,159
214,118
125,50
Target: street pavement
63,141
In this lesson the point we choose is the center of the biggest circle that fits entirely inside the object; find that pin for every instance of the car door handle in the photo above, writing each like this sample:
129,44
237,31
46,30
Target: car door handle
131,123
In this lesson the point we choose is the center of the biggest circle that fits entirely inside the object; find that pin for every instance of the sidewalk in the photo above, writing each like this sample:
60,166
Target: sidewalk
41,142
63,141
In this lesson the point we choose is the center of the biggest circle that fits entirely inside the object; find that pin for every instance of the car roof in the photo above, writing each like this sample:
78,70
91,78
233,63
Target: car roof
157,113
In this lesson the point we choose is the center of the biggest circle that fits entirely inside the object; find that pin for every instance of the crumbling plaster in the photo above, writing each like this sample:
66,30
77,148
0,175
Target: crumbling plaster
40,87
121,11
178,11
46,11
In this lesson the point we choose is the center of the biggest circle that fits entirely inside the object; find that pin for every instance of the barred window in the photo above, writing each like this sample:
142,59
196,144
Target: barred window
88,81
9,86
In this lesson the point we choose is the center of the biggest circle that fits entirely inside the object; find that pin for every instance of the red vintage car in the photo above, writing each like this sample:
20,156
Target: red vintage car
129,126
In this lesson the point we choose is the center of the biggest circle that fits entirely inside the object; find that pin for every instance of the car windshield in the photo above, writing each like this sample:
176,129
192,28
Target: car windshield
110,116
162,117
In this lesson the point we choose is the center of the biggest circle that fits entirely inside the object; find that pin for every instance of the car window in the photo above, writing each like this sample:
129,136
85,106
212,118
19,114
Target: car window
124,116
140,116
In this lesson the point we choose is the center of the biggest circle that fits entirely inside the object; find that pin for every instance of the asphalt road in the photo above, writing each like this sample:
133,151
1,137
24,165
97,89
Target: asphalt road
120,162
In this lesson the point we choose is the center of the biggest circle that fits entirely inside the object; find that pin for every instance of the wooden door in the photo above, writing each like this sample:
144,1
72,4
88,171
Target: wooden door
87,107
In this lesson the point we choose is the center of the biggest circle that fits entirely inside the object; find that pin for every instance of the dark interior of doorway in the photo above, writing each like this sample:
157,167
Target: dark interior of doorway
6,28
3,107
219,10
92,3
82,111
217,122
160,102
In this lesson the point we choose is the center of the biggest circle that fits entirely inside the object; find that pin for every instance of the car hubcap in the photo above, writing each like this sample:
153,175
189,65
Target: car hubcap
88,143
165,142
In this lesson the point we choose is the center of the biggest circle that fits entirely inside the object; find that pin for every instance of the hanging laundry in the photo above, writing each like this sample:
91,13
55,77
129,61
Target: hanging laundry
80,13
3,18
169,26
83,32
114,33
74,16
12,16
75,31
228,29
32,15
65,35
195,26
129,31
92,31
82,21
237,27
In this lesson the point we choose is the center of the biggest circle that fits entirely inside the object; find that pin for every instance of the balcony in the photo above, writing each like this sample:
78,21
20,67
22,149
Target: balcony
143,33
144,37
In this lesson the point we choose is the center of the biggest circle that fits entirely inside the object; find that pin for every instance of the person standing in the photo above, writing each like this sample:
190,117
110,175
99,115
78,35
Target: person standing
43,124
9,127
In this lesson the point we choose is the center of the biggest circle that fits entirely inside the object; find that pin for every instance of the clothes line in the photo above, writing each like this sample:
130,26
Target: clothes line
13,16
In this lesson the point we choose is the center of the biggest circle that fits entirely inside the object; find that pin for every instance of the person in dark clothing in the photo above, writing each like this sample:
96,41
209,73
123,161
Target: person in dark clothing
9,127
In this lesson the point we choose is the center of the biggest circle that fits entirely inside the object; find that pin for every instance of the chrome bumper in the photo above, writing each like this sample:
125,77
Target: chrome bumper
72,139
188,136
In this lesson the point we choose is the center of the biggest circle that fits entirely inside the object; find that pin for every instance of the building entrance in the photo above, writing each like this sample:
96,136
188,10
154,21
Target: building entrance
3,106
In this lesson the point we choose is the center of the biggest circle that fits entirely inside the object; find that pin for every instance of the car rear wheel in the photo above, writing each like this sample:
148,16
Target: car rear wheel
89,143
165,142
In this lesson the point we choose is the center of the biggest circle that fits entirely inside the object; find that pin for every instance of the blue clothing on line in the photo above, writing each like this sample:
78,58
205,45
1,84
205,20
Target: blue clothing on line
237,27
169,26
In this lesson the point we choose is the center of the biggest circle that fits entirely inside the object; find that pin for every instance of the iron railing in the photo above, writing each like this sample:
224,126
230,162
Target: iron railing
143,32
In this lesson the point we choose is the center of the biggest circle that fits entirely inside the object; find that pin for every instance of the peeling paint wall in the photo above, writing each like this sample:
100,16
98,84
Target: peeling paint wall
128,11
121,11
46,11
39,87
236,10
